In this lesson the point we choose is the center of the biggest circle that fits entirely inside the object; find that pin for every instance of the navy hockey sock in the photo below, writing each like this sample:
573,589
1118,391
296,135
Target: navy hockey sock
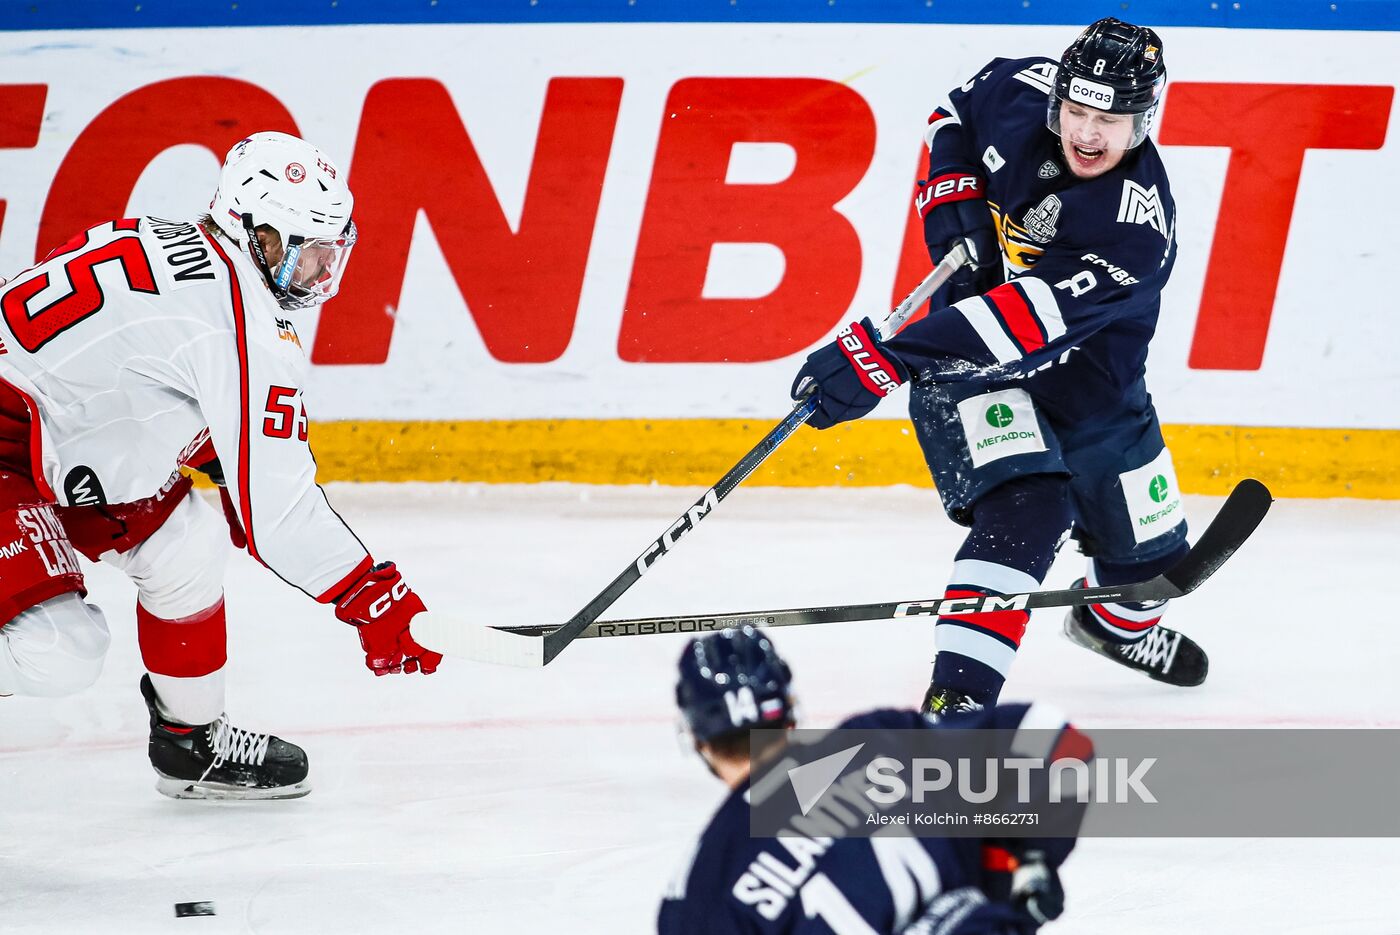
1015,532
1129,621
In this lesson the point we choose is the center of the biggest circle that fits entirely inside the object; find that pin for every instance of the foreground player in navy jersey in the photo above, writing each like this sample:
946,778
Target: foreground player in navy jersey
1028,394
734,680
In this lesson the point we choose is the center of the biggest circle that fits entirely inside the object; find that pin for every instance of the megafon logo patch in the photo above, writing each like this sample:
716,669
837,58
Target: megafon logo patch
1000,416
1091,93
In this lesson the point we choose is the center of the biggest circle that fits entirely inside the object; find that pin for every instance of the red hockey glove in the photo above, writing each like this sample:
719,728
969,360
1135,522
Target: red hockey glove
380,605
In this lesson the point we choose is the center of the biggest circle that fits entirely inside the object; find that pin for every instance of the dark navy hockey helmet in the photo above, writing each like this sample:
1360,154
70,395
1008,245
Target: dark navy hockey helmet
1115,67
731,681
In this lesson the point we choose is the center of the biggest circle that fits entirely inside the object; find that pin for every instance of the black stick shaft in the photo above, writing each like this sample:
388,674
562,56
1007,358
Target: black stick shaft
1241,514
556,640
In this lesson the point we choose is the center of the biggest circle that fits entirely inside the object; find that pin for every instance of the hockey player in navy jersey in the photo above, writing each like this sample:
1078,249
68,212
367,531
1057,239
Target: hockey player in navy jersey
733,681
1028,394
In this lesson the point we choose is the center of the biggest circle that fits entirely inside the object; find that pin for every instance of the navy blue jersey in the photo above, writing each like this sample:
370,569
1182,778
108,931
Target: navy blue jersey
735,883
1086,259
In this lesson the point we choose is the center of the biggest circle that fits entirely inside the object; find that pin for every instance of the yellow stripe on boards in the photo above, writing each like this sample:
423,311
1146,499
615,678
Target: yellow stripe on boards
1209,459
1293,462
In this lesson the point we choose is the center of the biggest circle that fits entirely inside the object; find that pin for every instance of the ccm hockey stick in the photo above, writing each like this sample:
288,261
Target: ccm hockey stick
539,646
1242,512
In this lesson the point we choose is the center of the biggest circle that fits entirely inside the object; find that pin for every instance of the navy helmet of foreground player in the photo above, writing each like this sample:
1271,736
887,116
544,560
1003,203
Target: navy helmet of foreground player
1028,378
730,682
734,681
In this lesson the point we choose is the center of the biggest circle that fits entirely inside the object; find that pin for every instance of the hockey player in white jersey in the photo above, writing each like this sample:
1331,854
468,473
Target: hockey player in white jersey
146,345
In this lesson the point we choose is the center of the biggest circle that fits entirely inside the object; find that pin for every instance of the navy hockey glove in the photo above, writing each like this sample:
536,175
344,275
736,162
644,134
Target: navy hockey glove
1036,888
849,376
953,205
965,911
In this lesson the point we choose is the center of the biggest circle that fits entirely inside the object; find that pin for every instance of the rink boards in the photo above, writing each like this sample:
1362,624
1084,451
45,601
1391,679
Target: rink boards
599,251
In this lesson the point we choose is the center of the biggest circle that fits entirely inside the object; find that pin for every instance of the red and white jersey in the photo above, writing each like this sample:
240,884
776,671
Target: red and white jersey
140,339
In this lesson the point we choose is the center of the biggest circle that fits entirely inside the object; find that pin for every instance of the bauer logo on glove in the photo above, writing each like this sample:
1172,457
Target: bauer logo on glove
851,375
875,371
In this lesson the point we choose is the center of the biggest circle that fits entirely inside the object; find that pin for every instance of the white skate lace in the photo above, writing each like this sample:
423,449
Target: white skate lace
1156,650
230,743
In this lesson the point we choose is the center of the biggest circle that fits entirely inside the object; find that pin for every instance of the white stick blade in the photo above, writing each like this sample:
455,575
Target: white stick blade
484,644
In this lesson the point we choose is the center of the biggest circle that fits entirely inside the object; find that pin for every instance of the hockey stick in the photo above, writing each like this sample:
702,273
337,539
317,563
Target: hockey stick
1237,519
539,647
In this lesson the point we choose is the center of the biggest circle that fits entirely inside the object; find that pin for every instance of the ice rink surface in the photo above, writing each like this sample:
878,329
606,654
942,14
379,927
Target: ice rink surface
493,800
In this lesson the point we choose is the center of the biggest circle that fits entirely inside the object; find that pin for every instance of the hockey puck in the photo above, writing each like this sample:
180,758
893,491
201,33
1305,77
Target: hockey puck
193,909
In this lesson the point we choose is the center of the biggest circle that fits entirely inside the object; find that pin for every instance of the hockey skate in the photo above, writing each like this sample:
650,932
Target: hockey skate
1163,654
220,761
941,702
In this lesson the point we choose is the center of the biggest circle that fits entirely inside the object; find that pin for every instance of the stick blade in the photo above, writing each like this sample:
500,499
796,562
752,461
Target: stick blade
1241,514
483,644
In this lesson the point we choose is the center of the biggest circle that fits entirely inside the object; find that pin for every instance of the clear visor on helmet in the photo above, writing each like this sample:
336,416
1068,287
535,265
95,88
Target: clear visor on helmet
1091,128
308,272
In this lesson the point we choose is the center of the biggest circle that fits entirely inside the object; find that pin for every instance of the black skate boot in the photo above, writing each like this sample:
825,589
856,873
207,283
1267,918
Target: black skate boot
941,702
1163,654
220,761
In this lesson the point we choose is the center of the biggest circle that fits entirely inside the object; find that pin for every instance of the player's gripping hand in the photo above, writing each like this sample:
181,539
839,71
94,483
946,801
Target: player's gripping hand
953,205
380,604
849,376
1036,888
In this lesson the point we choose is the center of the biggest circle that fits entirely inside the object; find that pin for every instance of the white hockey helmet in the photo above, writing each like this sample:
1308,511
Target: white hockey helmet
273,180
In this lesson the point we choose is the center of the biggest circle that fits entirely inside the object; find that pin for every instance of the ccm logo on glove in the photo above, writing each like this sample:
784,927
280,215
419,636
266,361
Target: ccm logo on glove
380,605
875,372
392,596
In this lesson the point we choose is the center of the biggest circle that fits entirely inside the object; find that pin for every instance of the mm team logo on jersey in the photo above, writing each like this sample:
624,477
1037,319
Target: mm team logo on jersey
81,487
1143,206
1040,220
1048,169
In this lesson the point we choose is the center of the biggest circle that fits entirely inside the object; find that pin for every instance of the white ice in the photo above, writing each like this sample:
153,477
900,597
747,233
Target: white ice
493,800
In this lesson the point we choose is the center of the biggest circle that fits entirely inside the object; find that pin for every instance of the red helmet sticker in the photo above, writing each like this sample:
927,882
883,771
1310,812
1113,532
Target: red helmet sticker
295,172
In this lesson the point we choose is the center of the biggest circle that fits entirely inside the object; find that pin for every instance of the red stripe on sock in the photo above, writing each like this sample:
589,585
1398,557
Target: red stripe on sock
1121,623
185,648
1010,624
